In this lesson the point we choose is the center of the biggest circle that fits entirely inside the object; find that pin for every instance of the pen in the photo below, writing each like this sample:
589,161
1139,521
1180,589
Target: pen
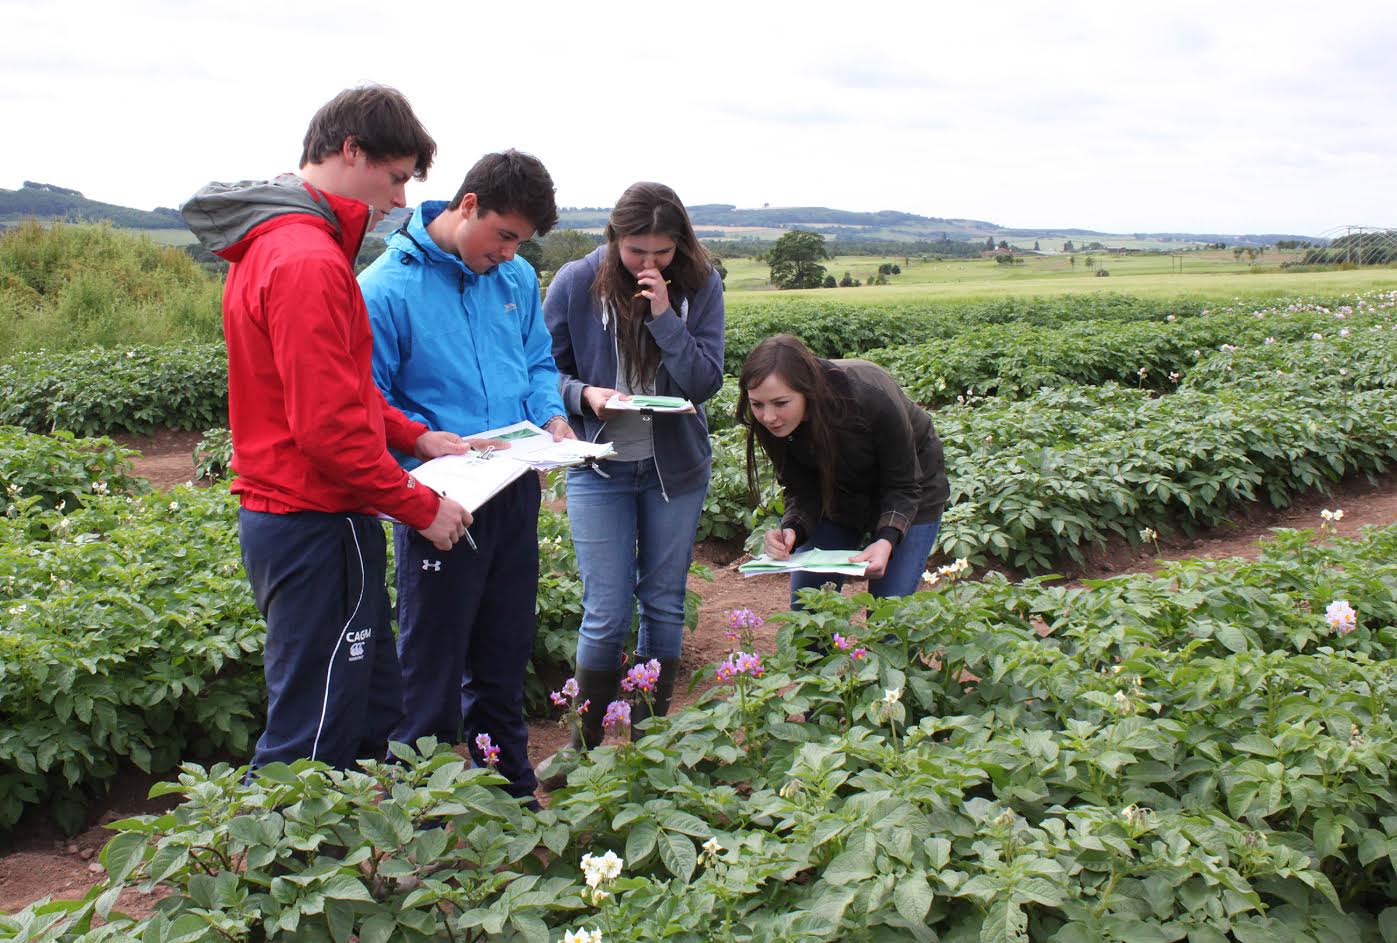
643,290
469,539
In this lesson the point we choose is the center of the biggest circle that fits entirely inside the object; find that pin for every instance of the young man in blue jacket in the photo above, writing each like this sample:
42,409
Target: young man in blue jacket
460,344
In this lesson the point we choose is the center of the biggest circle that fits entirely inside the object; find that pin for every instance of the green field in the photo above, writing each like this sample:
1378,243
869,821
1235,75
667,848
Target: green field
1192,274
167,237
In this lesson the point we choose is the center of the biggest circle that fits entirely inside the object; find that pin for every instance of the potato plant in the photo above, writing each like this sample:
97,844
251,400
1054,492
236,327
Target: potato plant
130,636
1202,754
102,390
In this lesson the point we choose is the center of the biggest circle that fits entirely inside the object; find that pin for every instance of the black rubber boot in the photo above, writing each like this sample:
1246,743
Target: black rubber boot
663,693
598,687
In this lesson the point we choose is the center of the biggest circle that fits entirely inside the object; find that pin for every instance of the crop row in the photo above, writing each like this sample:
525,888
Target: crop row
1038,479
48,471
100,390
841,328
130,634
1016,360
1010,345
1204,755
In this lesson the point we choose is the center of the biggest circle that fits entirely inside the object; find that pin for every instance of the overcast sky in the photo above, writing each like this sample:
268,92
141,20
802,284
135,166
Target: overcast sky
1118,117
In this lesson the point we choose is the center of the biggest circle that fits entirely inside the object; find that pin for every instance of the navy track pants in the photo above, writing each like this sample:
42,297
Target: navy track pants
334,690
466,625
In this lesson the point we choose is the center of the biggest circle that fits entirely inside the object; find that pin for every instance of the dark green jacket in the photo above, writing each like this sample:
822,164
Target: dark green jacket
889,471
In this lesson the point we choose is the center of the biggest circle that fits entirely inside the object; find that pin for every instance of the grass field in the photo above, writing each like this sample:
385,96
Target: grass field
1193,274
167,237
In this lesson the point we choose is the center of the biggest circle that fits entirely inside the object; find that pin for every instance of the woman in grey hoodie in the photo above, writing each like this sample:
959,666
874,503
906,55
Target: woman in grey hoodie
642,314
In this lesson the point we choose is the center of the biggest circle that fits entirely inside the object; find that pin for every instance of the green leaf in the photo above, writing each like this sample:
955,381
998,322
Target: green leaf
852,864
1232,637
938,852
122,854
1241,798
1372,846
678,854
1206,935
677,821
641,841
1005,923
1329,835
1387,923
430,845
913,897
345,887
340,918
1040,891
832,903
376,827
533,929
1257,743
377,929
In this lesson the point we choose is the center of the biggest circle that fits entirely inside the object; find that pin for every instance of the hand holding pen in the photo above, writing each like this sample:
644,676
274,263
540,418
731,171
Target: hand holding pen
653,286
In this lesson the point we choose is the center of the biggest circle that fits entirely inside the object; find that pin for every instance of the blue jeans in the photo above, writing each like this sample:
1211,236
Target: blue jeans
905,566
632,545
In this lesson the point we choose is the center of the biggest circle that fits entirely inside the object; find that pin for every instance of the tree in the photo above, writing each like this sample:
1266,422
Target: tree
829,282
848,281
795,260
989,244
1035,246
562,246
532,253
1067,246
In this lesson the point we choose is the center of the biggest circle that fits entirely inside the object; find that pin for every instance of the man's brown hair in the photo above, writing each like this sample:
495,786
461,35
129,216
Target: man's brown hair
380,121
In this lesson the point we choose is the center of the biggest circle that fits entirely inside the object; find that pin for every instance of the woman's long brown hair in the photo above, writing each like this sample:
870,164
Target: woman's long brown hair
646,209
788,358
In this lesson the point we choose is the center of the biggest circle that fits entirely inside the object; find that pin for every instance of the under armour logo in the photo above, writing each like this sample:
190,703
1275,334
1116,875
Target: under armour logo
434,565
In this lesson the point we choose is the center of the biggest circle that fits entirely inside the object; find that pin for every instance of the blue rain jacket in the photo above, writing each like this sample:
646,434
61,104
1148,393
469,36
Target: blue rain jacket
456,350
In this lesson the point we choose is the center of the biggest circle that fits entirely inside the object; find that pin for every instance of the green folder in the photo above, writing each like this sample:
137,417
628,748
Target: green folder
812,561
659,402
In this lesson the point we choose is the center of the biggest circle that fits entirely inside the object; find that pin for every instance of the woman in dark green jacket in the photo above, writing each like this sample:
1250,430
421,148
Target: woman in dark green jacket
859,463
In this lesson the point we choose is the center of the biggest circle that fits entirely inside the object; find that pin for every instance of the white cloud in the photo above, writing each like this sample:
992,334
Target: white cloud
1195,116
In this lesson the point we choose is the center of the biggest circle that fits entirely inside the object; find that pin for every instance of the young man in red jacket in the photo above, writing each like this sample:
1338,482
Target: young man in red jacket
311,432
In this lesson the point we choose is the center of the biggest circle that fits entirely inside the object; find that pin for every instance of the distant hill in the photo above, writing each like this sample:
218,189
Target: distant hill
712,220
895,226
46,201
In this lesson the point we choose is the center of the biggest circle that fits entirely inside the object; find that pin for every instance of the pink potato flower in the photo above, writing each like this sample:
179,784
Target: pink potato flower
618,715
642,677
487,749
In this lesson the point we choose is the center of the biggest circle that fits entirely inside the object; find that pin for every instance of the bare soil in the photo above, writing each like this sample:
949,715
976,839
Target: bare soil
38,861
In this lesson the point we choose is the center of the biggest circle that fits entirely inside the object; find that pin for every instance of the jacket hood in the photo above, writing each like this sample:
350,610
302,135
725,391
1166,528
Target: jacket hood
224,215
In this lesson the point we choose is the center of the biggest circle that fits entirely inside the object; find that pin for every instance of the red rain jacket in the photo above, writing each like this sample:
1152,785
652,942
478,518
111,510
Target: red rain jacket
310,429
